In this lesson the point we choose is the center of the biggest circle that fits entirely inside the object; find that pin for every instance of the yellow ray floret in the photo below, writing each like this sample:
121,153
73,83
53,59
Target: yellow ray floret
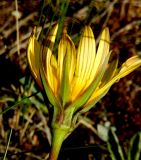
76,77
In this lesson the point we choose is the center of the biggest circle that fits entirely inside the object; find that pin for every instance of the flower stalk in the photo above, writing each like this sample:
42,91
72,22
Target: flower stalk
58,136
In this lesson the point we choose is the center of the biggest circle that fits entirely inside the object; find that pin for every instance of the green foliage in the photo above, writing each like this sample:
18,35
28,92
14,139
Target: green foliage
114,147
135,147
116,152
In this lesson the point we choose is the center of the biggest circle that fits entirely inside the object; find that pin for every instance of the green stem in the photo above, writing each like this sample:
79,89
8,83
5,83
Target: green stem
59,135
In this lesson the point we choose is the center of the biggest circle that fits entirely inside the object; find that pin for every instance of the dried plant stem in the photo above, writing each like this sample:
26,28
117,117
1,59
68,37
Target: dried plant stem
17,27
126,28
4,158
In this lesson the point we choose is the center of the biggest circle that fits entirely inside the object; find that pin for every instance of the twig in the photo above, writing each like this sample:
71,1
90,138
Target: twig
13,47
108,11
6,24
4,158
13,50
123,10
83,121
26,125
18,151
17,27
22,22
125,28
46,129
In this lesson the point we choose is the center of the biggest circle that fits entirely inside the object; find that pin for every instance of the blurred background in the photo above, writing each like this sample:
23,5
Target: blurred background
24,119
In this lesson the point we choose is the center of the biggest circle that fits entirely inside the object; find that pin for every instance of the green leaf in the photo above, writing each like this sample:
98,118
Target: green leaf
88,106
114,146
63,11
135,147
65,85
23,101
110,71
53,100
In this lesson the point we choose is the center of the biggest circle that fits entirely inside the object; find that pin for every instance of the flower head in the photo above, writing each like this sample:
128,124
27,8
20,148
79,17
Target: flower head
76,78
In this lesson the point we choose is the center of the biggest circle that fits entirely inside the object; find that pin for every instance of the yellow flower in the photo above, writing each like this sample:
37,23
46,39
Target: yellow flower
76,78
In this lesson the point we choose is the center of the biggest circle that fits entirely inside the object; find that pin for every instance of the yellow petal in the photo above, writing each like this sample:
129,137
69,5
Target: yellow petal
50,69
53,66
48,60
130,65
48,46
72,59
66,66
33,56
80,102
65,46
110,71
91,103
61,54
51,36
85,62
103,50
